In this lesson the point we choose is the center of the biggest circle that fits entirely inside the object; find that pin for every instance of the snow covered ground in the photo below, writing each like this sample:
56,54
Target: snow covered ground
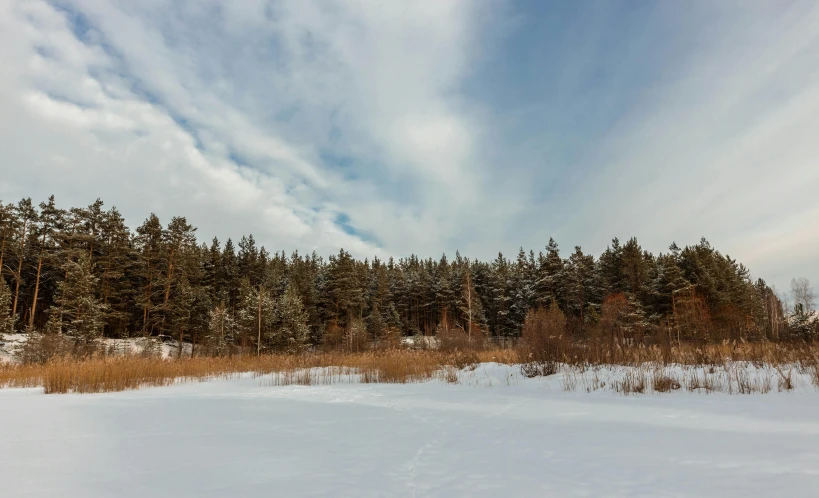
519,437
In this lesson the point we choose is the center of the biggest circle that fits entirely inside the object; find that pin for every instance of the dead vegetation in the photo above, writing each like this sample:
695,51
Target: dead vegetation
119,373
596,362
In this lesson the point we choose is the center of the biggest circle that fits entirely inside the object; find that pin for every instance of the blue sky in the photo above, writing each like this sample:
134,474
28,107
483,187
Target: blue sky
390,128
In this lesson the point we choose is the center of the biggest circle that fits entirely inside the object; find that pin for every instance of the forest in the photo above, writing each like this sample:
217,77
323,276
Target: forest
82,274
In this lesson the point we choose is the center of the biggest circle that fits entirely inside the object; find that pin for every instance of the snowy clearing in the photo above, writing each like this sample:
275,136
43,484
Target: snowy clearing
519,437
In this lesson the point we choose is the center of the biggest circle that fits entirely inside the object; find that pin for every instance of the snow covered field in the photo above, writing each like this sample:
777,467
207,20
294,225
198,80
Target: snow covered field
519,437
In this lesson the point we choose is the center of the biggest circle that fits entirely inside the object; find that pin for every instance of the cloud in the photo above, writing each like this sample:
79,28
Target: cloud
725,148
227,113
395,127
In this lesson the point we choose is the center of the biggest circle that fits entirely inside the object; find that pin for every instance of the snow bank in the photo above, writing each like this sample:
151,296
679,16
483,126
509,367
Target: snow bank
519,437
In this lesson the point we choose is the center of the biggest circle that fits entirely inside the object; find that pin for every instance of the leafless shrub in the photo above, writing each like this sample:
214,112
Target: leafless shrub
41,348
633,382
663,382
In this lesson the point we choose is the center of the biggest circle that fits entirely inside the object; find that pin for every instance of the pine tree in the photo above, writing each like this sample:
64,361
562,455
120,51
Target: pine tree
523,289
229,277
289,332
179,246
254,315
6,318
178,311
582,287
148,242
26,217
668,282
47,225
500,298
379,318
442,289
221,331
7,228
344,294
117,263
635,266
160,281
611,268
81,316
551,277
248,260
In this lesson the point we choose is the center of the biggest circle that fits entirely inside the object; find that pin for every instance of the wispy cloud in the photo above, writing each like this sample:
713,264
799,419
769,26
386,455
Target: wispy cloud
397,127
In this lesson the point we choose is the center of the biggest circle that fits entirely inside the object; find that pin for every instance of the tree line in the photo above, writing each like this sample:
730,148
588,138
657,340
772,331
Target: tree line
83,274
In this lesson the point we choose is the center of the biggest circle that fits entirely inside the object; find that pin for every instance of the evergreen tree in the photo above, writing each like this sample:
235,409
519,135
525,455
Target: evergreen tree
48,223
229,277
551,277
611,269
523,289
7,228
149,246
255,315
117,263
26,217
81,316
582,288
6,318
159,281
179,246
289,332
221,331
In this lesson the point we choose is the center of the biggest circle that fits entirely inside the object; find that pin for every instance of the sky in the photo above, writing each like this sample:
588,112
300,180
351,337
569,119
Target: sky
391,127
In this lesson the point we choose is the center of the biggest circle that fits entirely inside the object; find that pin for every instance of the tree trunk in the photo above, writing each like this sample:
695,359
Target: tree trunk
259,339
36,291
19,269
2,253
170,279
147,297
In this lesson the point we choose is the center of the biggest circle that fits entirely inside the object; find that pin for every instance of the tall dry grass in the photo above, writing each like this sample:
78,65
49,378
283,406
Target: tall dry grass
545,349
119,373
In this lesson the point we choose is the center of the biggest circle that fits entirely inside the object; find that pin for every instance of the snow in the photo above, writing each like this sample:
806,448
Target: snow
495,433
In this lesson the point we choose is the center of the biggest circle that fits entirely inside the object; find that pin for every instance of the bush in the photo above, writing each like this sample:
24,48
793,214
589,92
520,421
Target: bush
452,337
543,345
40,348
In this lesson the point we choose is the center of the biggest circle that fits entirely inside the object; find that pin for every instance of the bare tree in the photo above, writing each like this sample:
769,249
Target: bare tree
803,294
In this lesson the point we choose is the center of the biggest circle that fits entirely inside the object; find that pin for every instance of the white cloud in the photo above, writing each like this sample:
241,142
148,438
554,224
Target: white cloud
173,107
279,117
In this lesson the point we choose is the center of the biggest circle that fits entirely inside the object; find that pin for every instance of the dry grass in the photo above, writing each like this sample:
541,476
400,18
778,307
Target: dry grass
740,368
119,373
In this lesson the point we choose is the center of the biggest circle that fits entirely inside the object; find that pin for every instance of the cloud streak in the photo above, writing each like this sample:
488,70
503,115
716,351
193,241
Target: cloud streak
395,127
